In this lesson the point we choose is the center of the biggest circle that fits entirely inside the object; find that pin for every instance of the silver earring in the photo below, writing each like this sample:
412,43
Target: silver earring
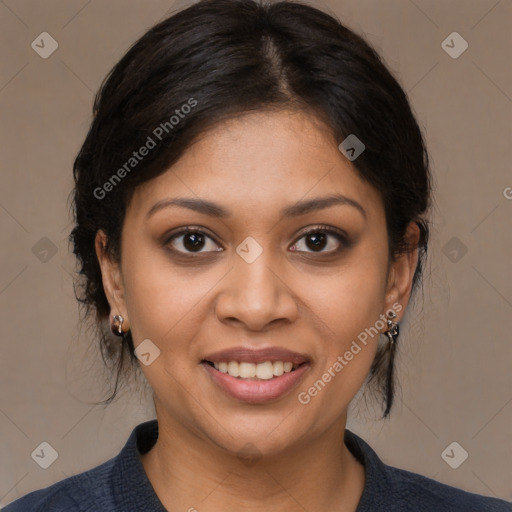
393,329
117,325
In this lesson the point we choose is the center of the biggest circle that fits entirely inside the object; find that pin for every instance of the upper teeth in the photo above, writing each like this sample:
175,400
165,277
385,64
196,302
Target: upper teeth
265,370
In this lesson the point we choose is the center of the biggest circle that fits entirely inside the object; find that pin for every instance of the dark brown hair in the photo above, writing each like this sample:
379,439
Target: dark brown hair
228,57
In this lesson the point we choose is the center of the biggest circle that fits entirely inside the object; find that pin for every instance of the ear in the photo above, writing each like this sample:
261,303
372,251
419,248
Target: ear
112,279
401,273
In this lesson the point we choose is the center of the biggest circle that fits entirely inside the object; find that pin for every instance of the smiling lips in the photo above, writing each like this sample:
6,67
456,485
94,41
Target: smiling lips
256,376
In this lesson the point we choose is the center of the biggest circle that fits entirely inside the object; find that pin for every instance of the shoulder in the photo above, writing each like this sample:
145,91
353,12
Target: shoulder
424,494
390,488
54,498
79,493
120,483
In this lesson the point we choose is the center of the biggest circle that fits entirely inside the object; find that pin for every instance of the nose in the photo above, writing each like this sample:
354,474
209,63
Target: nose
256,294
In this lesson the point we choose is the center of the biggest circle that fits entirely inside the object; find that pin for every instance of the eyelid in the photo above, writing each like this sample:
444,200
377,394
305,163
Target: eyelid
324,228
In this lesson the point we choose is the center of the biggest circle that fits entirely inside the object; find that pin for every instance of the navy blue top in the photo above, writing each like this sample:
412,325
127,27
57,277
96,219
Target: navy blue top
121,484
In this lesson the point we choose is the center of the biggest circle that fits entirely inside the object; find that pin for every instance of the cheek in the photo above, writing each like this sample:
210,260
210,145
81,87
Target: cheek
160,298
352,299
353,316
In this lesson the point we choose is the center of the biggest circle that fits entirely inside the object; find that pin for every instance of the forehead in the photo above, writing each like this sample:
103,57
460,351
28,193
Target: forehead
261,160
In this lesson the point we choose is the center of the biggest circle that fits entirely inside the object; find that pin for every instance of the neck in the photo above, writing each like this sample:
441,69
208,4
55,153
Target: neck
189,472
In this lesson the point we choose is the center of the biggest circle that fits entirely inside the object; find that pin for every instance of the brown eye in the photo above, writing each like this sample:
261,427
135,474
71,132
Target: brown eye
320,240
192,241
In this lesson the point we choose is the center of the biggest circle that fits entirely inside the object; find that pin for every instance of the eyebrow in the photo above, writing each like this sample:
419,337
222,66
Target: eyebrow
301,208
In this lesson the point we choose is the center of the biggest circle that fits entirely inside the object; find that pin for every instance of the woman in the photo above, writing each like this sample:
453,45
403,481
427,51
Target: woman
251,206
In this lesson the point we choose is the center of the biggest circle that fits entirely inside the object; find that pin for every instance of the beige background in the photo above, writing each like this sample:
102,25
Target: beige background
455,360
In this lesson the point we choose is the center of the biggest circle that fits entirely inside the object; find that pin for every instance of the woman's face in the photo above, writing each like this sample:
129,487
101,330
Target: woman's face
251,279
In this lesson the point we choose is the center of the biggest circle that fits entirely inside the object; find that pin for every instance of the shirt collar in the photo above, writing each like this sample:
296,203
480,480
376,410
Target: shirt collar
132,489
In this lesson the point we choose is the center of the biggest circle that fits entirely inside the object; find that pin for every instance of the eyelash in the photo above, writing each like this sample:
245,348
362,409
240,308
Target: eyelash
338,234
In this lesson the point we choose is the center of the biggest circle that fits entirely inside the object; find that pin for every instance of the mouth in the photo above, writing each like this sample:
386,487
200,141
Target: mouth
256,376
